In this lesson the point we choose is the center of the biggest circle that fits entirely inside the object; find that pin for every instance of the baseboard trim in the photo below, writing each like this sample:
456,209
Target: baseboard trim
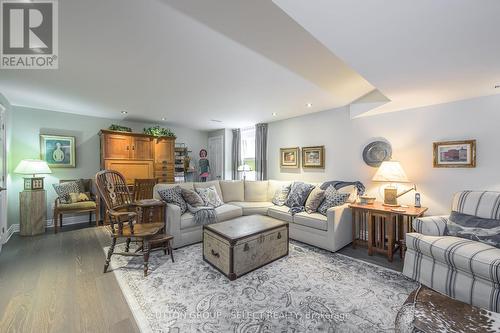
69,220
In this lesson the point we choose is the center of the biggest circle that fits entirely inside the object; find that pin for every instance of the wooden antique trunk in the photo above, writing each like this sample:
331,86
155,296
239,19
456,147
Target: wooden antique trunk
241,245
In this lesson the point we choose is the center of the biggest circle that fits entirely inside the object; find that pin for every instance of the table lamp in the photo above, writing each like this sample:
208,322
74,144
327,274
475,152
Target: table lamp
244,168
392,172
32,167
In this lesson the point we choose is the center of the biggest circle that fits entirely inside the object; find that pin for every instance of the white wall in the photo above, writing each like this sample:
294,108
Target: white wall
411,134
27,124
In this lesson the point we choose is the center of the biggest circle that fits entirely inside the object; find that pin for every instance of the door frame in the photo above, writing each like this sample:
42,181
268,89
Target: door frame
3,176
213,138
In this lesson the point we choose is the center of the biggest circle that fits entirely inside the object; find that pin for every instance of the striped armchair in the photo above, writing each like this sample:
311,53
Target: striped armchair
463,269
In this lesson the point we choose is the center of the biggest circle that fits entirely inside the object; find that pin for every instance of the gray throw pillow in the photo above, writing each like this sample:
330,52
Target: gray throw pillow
192,198
314,200
173,196
210,196
298,194
333,198
64,189
281,195
475,228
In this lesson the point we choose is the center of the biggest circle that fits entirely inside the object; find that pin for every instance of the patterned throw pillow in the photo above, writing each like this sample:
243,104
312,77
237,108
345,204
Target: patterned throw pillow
64,189
298,194
333,198
192,198
281,195
209,196
173,196
314,199
475,228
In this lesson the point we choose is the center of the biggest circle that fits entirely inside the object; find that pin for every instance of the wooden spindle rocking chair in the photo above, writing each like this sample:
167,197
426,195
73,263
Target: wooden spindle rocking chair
123,220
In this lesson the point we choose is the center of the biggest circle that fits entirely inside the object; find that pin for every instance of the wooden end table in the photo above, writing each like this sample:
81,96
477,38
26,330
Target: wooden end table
381,228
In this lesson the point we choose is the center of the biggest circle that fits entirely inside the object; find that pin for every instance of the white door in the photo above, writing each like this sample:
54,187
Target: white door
3,178
216,157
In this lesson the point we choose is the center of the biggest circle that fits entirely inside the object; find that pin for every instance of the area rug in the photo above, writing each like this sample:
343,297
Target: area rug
311,290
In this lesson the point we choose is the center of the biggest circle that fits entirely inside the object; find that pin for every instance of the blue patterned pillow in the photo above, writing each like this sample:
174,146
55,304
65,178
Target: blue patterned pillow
298,194
281,195
333,198
173,196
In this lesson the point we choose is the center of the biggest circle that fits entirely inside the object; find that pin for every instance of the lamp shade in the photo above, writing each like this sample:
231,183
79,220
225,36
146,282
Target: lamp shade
390,171
245,167
32,167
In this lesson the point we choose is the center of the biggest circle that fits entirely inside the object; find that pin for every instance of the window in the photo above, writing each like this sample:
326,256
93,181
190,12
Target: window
248,151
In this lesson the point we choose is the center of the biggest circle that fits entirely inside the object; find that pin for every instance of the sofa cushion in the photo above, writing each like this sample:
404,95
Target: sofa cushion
232,190
192,197
333,198
351,190
208,184
162,186
256,191
472,227
314,220
251,208
465,255
187,221
314,199
281,195
485,204
298,194
274,185
210,196
280,212
228,212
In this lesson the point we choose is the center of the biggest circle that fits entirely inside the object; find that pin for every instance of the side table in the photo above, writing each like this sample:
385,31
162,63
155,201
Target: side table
32,212
381,228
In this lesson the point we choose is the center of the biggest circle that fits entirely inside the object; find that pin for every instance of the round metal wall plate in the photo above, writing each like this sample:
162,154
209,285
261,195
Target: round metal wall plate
376,152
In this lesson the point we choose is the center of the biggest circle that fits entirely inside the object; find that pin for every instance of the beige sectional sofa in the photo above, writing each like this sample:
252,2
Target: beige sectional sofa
331,232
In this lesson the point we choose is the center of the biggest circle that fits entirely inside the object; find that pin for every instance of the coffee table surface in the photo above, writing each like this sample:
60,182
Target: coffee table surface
244,226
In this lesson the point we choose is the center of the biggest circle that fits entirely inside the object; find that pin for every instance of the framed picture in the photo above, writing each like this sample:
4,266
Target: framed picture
58,151
313,157
455,154
289,157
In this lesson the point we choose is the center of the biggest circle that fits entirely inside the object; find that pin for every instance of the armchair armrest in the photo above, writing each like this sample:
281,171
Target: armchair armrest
431,225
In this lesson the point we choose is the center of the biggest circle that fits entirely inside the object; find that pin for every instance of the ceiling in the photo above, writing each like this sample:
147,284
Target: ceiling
416,53
239,61
189,62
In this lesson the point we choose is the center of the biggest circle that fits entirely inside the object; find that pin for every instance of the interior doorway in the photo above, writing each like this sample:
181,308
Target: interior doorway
216,157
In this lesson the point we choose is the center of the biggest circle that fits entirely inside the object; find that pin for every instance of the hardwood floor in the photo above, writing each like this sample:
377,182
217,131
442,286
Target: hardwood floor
54,283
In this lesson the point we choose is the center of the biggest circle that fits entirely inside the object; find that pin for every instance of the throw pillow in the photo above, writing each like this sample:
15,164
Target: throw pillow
475,228
210,196
173,196
78,197
192,198
64,189
281,195
333,198
314,200
298,194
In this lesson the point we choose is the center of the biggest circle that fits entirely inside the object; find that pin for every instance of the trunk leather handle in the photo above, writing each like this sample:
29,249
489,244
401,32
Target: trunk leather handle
215,254
279,235
246,248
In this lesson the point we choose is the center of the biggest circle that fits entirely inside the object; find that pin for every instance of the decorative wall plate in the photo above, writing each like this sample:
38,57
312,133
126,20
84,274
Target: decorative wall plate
376,152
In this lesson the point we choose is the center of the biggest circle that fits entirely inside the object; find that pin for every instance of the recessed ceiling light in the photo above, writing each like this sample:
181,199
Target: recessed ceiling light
274,114
124,112
216,120
163,118
309,105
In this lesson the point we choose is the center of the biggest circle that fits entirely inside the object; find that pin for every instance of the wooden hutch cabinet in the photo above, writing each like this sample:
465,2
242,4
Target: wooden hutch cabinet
138,155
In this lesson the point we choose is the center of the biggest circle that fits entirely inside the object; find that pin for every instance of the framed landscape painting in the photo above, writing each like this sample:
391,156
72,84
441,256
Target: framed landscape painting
313,157
58,151
289,157
455,154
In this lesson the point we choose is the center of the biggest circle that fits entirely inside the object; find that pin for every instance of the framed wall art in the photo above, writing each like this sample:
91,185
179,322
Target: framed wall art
289,157
313,157
455,154
58,151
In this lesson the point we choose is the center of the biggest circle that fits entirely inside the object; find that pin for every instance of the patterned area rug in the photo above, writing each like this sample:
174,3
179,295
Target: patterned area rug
311,290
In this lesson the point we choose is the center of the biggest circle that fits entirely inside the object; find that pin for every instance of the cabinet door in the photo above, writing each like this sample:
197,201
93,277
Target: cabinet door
116,146
131,169
142,148
164,151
